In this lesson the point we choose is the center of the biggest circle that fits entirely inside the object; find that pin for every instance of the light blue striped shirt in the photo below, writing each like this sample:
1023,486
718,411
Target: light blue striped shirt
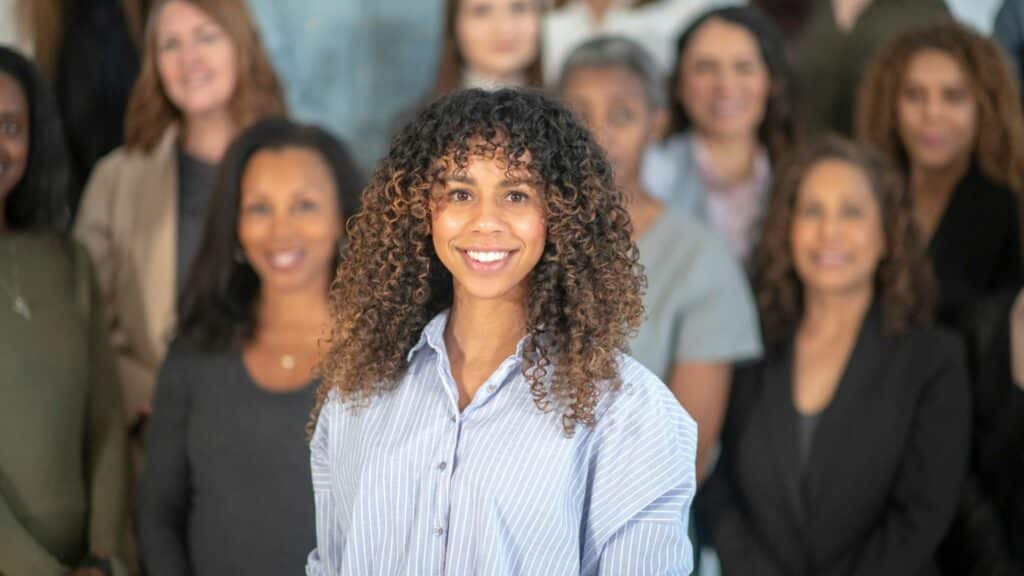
409,485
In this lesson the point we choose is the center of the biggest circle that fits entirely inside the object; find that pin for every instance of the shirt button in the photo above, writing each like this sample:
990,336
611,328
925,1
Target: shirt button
492,388
442,465
454,418
438,531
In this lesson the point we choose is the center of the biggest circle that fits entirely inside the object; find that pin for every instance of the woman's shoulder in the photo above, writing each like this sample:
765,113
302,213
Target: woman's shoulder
186,353
644,396
128,161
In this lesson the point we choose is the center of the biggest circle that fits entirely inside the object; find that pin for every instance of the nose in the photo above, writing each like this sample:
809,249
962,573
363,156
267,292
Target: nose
489,217
281,225
830,228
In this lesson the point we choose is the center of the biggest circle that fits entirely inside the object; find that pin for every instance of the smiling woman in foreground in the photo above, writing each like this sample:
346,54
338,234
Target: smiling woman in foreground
477,414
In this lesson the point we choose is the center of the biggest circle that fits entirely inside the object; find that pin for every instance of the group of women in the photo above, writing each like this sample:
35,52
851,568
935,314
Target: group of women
836,316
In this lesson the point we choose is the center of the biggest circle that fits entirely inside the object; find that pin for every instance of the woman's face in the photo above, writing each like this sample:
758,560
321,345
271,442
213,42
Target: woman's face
289,221
196,60
724,82
497,38
836,236
937,111
14,134
613,104
488,229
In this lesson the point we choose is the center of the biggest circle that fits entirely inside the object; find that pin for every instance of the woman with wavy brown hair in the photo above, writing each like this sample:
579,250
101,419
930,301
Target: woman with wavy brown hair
942,100
477,412
844,448
204,78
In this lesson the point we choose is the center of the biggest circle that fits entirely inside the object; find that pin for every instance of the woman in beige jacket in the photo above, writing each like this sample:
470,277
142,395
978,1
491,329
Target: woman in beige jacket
204,78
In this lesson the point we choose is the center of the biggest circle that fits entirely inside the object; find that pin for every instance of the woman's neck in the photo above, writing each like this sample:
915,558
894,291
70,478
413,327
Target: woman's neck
484,331
207,137
294,310
834,313
732,158
472,78
940,182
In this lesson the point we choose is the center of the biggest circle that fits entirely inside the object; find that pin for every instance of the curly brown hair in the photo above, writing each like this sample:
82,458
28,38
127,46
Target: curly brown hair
257,94
584,295
999,147
903,281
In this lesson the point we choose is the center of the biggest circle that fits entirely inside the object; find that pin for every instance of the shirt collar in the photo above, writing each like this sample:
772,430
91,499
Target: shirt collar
433,336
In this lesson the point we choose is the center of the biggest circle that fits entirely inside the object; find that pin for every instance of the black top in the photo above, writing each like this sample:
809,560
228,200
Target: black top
883,474
195,183
976,247
226,487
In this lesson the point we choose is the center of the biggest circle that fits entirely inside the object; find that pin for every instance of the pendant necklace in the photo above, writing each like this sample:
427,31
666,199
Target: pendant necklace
287,361
18,303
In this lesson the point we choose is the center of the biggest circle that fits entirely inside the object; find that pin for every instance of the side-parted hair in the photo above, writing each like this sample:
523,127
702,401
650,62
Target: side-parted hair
999,143
451,63
584,295
40,199
617,52
257,92
219,302
779,130
904,285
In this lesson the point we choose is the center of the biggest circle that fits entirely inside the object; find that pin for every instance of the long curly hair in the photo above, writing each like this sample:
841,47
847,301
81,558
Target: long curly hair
999,147
779,131
258,93
904,285
584,295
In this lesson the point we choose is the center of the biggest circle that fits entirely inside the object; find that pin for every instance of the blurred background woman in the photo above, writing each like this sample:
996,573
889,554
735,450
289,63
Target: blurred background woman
62,440
732,118
943,102
204,78
226,486
489,44
843,287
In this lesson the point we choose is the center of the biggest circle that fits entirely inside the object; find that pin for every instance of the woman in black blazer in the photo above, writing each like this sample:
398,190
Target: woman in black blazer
845,447
942,100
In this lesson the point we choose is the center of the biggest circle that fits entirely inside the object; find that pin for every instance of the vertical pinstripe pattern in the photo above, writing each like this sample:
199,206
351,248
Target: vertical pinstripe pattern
409,485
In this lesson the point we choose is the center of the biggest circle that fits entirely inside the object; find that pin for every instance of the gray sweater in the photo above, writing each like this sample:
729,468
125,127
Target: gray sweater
226,487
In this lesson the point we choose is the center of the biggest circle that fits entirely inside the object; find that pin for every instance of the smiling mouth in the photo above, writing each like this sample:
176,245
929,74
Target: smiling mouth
486,260
285,260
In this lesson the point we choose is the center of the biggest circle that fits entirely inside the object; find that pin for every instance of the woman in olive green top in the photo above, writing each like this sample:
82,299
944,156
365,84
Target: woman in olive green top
62,459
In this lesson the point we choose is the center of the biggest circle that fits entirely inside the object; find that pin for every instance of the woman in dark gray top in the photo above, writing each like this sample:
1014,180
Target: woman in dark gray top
226,484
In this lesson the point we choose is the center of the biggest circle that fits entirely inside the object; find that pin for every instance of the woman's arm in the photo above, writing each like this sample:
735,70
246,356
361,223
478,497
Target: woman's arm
164,497
927,487
703,390
106,456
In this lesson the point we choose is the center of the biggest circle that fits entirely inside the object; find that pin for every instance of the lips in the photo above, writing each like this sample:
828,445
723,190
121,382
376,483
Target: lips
285,260
830,258
486,260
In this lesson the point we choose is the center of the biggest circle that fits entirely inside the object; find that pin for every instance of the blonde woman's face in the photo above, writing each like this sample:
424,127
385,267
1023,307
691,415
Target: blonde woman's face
196,60
937,112
498,38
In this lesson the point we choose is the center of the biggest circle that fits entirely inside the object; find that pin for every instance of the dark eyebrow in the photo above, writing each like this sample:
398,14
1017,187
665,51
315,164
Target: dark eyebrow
506,183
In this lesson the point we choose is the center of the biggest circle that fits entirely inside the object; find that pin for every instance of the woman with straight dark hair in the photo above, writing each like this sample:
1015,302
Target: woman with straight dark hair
225,489
733,117
62,456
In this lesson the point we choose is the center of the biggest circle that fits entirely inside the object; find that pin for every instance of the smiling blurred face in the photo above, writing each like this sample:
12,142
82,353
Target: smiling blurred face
196,60
289,222
488,229
497,38
14,135
937,111
612,103
836,236
724,82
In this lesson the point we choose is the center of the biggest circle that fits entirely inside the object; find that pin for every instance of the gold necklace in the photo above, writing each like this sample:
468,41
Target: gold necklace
18,303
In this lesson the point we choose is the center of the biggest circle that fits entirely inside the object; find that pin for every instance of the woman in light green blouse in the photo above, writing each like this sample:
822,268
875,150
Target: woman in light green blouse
62,459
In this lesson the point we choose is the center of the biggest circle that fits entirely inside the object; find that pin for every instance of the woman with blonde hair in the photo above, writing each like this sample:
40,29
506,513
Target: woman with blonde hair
942,101
204,78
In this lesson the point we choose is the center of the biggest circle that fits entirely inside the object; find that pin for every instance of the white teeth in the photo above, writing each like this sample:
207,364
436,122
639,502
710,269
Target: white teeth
284,259
487,256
